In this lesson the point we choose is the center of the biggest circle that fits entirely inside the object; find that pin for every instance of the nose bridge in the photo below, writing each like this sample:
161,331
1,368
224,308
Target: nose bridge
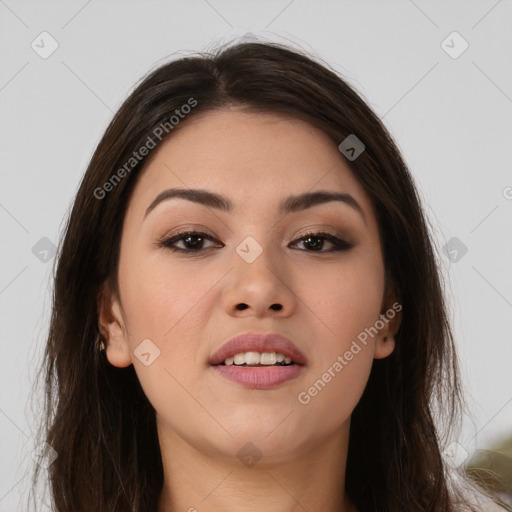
256,237
257,281
256,262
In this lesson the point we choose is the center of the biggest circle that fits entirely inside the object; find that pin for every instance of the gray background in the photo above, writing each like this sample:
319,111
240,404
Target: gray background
450,116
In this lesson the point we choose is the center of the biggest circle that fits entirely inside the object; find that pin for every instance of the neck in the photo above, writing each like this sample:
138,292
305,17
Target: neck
200,479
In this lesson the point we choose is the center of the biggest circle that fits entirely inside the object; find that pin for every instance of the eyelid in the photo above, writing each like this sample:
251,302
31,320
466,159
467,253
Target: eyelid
318,227
324,228
307,230
183,230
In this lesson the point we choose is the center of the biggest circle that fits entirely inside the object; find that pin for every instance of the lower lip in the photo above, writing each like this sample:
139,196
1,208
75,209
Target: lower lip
259,377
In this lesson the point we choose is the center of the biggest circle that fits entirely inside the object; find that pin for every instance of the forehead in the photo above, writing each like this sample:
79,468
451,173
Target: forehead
252,158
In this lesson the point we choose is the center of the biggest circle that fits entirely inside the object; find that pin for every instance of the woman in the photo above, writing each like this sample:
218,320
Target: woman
248,313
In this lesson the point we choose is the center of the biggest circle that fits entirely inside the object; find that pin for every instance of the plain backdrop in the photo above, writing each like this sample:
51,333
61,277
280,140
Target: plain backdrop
450,113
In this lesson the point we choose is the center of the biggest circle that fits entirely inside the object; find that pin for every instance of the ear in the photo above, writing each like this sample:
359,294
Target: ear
112,327
391,317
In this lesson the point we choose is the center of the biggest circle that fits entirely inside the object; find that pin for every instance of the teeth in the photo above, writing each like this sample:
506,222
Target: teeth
268,358
239,359
254,358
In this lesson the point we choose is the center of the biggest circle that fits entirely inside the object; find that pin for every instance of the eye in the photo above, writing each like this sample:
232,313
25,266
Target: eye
316,240
192,240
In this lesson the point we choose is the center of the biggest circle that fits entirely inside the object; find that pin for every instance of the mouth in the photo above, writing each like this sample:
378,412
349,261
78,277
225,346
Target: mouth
258,361
254,349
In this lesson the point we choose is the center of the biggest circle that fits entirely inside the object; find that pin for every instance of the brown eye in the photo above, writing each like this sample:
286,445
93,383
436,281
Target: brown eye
316,242
192,240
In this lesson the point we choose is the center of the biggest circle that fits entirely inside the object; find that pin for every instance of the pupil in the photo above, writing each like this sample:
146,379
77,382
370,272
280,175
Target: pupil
187,240
314,245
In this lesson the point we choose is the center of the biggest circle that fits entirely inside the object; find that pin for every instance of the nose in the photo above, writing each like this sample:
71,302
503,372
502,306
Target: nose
261,287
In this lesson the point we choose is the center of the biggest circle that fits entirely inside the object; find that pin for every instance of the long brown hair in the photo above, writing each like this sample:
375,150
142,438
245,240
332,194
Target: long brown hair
97,417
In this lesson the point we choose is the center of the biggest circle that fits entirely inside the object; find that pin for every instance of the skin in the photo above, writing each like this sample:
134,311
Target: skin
186,304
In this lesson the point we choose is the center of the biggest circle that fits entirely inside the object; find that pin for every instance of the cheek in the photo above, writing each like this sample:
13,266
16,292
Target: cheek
161,302
346,299
159,297
347,302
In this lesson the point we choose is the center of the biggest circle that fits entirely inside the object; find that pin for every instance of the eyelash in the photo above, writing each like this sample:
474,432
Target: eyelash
339,244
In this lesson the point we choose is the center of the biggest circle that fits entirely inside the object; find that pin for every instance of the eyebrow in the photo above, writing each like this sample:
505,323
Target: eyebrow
289,205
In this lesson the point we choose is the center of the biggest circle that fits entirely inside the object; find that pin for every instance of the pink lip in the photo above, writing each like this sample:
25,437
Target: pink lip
259,377
255,342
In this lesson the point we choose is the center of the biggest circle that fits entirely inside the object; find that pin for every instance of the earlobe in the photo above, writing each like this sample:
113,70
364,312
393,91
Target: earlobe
385,341
384,346
112,327
118,355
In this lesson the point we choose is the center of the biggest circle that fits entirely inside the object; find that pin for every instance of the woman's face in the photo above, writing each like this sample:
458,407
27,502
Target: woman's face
186,305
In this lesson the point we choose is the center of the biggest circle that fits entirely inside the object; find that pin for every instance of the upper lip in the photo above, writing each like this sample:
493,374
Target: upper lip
257,342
